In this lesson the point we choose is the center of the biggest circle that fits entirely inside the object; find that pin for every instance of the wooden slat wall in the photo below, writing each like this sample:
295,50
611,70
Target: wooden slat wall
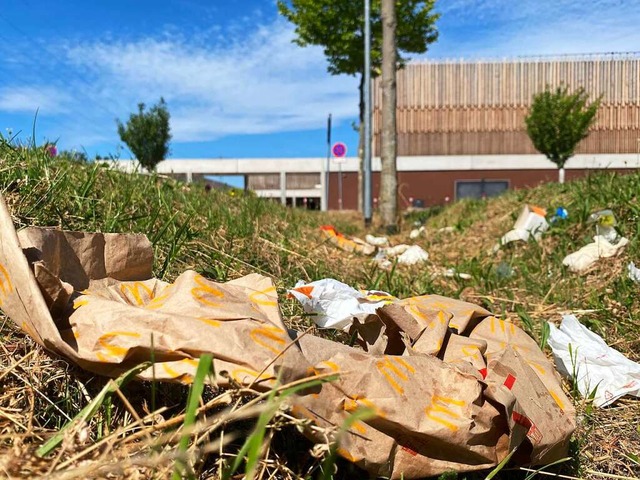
302,180
454,108
263,181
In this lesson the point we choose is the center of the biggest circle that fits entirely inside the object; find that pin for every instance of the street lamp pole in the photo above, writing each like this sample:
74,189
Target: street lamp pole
367,114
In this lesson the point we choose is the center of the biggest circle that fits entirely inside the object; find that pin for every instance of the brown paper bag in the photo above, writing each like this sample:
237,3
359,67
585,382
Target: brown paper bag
90,297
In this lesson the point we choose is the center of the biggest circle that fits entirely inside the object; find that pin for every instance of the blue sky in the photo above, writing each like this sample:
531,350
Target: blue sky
235,84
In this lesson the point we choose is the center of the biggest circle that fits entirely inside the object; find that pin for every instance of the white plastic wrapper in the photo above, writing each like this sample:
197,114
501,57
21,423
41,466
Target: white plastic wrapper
336,304
577,350
413,255
588,255
634,272
531,222
416,232
376,241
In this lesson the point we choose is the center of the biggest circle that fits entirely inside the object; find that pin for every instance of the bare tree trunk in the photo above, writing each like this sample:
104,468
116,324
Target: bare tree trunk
561,175
361,147
388,150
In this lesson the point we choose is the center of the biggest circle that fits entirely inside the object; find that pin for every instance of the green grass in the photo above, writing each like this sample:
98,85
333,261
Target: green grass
224,235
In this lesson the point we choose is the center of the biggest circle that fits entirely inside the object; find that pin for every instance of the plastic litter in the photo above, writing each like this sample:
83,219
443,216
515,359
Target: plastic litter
352,244
561,214
376,241
582,354
606,223
452,273
397,250
531,222
588,255
446,229
416,232
413,255
504,270
634,272
336,304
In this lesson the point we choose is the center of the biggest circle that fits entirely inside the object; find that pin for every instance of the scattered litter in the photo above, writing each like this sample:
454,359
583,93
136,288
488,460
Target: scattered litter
352,244
446,229
397,250
598,369
504,270
336,304
377,241
588,255
413,255
438,374
561,214
406,255
634,272
416,232
531,222
452,273
606,223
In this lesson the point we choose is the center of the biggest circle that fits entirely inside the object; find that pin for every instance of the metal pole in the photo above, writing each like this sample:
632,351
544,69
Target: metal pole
367,114
327,166
340,186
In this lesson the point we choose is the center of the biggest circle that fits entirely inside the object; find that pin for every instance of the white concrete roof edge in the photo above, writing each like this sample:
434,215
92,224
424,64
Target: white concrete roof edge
241,166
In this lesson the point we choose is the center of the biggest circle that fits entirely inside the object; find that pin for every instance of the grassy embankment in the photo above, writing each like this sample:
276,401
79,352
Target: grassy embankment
224,235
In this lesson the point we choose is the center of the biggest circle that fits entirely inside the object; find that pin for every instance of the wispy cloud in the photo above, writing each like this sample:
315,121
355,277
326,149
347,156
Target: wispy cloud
490,28
29,99
256,83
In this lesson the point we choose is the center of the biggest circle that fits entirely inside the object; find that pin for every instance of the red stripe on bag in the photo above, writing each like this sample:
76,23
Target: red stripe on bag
509,381
521,420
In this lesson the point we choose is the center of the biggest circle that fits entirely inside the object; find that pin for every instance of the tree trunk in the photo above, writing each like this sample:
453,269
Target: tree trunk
361,146
388,150
561,175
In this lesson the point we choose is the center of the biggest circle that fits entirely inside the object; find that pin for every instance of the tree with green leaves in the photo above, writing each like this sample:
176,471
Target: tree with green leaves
147,134
558,121
338,27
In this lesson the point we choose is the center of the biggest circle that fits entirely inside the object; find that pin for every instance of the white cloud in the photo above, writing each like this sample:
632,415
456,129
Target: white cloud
257,83
490,28
26,99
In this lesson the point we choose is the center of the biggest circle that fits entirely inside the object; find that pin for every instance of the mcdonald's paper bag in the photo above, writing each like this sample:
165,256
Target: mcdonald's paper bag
91,298
455,389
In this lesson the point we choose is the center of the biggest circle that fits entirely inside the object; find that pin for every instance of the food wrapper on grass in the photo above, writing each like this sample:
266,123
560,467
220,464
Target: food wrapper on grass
531,222
597,369
91,297
588,256
347,244
455,389
335,304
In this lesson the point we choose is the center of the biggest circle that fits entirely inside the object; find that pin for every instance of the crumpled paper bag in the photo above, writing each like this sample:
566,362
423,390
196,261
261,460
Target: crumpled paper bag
451,386
587,256
90,297
454,389
584,356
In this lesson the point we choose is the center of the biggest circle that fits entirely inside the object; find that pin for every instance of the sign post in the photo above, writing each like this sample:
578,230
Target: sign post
339,151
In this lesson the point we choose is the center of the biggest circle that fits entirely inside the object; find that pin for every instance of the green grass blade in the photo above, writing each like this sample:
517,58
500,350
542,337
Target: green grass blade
501,465
195,393
90,410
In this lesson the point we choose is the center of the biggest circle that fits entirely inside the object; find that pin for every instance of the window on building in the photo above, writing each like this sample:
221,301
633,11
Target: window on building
480,188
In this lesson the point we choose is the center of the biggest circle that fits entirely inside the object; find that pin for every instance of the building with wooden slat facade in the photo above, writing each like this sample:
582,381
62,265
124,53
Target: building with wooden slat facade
478,108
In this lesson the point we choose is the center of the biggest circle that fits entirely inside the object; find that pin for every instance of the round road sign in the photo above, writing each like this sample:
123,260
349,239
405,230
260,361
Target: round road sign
339,150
